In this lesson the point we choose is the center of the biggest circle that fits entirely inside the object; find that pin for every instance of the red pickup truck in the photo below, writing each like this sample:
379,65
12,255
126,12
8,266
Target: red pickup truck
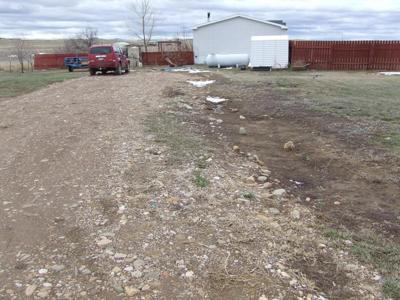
106,58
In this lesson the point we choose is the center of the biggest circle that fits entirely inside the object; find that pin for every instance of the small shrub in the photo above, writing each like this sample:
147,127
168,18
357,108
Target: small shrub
201,181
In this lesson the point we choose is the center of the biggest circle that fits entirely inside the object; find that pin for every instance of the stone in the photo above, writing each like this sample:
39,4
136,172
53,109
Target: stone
116,270
146,288
250,180
30,289
131,291
43,293
128,269
289,146
274,211
263,297
118,288
262,179
42,271
295,214
57,268
103,242
242,117
242,131
189,274
139,264
265,172
236,149
219,121
47,285
120,256
137,274
279,193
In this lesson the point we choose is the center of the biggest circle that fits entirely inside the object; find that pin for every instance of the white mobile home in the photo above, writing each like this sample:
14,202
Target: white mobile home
231,35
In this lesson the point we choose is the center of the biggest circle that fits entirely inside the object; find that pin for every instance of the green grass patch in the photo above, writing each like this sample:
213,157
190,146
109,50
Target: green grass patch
170,131
371,248
335,234
200,181
16,84
249,196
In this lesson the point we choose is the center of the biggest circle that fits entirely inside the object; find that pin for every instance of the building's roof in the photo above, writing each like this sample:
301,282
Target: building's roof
279,24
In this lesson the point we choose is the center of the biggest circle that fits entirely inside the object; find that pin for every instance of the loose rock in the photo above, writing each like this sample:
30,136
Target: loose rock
242,131
278,194
262,179
289,146
131,291
30,289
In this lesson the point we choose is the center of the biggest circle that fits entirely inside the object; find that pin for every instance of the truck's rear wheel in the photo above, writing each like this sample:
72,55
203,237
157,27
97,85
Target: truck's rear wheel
127,69
70,69
92,72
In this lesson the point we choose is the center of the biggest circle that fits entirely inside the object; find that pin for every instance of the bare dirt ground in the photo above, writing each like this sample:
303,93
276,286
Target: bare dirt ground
116,187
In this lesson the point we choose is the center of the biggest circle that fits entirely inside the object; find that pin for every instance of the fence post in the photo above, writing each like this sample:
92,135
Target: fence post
371,56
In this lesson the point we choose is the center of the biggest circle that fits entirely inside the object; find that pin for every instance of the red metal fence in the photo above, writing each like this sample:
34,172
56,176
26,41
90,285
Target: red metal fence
346,55
179,58
52,61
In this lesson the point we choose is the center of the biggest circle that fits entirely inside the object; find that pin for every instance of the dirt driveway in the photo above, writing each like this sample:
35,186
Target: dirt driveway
111,188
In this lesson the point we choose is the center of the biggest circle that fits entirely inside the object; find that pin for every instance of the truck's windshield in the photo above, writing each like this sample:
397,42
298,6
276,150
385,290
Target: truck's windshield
100,50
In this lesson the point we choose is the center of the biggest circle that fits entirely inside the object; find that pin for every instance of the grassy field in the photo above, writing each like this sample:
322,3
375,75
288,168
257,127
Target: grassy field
345,93
15,84
347,126
364,95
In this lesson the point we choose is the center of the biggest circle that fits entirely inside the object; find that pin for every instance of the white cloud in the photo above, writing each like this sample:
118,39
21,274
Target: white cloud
351,19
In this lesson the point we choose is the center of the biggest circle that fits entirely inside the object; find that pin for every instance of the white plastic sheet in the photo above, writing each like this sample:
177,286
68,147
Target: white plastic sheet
200,84
216,100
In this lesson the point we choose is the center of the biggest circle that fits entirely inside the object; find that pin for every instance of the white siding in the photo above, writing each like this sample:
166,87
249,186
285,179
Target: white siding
270,51
232,36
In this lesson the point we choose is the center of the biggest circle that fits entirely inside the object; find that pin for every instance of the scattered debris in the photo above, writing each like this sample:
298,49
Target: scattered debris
200,84
216,100
236,149
189,70
389,73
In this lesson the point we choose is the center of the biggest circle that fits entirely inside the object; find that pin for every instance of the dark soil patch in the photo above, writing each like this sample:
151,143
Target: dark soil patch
350,181
326,275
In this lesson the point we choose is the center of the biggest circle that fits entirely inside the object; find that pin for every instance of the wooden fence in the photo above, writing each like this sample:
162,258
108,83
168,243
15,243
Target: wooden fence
346,55
179,58
52,61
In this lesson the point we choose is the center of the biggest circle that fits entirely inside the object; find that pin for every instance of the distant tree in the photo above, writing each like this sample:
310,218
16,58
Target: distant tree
21,53
82,41
183,36
144,21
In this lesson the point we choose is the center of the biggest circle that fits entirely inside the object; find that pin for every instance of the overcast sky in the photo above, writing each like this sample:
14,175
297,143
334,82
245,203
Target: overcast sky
306,19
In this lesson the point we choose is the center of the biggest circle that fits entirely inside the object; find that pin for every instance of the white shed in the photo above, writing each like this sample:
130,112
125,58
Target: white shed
270,51
231,35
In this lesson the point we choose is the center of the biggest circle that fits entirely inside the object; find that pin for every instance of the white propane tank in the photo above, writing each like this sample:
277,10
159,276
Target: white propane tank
227,60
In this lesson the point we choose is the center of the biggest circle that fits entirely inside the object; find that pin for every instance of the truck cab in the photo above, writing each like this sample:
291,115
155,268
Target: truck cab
106,58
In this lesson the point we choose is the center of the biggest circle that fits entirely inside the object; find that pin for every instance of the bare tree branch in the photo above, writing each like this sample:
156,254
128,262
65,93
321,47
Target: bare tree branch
144,21
82,41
